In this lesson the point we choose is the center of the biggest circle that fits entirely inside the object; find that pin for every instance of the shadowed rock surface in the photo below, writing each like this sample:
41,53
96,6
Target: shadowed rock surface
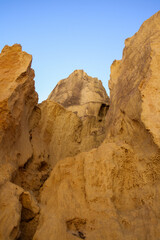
80,93
92,175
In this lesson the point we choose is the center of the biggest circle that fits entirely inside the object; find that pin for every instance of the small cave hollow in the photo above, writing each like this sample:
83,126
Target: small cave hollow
77,227
103,111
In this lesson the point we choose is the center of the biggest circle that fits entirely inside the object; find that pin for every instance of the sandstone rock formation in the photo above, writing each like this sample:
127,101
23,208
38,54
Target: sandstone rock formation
17,100
81,94
33,137
67,175
56,133
113,192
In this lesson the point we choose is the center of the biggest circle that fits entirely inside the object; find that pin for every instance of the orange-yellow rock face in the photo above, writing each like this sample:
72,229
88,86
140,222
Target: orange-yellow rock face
113,192
58,179
134,83
17,100
32,139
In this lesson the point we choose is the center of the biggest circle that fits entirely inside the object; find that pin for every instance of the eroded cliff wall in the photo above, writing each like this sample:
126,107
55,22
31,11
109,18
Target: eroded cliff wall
33,138
87,168
112,192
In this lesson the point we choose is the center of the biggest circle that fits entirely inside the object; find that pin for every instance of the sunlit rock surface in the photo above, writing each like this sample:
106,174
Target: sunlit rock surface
17,101
79,165
33,137
113,192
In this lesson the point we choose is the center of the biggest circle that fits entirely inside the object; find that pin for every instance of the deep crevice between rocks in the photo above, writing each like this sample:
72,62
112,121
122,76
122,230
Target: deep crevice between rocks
31,177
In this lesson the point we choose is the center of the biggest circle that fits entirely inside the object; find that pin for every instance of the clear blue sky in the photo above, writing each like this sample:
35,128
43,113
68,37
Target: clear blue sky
65,35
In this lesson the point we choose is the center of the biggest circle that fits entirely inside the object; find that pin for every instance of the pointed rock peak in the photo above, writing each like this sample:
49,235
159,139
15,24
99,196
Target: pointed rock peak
14,63
15,48
80,93
79,73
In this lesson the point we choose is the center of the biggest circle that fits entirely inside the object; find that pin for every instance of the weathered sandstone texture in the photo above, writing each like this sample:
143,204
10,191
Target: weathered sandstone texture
79,165
17,101
56,133
33,137
113,192
81,94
